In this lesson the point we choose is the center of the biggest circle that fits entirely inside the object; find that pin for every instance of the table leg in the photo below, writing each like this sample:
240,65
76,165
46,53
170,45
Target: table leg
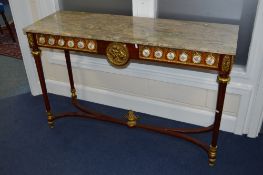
222,84
8,27
1,30
37,56
70,74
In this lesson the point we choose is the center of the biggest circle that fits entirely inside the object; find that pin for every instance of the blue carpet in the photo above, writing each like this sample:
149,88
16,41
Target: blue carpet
80,146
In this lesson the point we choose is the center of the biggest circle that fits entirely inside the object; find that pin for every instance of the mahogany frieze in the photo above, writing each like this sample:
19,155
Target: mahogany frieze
203,60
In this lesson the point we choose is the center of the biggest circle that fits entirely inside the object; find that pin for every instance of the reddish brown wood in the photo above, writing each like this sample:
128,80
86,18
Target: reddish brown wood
178,130
90,116
219,109
41,76
192,130
87,110
69,68
204,146
42,82
106,118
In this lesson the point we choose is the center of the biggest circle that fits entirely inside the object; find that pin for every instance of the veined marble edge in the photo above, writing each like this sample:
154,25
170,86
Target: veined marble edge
158,19
130,41
27,28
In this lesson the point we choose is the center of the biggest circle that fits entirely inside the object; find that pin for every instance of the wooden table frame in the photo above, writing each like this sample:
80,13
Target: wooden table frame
223,64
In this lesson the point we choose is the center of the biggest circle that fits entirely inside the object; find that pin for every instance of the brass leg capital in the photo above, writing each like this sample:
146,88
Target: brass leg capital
50,120
212,155
223,79
36,52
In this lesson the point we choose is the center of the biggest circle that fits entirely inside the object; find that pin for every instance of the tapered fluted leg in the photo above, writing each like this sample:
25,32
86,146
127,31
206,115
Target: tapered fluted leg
70,74
222,80
37,56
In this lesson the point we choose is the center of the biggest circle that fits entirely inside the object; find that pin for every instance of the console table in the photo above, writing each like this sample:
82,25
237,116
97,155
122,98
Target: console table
207,47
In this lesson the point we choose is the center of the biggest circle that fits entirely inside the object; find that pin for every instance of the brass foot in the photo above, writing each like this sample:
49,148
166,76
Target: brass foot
212,155
132,118
51,125
73,94
50,120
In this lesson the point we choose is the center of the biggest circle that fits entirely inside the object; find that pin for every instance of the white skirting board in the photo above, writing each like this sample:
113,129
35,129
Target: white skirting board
138,104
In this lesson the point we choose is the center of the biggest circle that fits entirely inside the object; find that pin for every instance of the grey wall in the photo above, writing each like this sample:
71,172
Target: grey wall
241,12
228,11
119,7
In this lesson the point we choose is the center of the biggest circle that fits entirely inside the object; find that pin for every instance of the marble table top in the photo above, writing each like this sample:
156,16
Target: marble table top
177,34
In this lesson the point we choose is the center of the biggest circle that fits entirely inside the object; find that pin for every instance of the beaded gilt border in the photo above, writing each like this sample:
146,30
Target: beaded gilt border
178,56
71,43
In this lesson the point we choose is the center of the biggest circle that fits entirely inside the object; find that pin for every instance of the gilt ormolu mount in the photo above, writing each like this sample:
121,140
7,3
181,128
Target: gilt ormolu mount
205,46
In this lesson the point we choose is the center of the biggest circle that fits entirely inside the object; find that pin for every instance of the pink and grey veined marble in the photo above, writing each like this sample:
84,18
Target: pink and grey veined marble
197,36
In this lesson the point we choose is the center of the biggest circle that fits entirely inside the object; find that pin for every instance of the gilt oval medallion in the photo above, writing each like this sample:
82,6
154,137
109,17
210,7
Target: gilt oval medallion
118,54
